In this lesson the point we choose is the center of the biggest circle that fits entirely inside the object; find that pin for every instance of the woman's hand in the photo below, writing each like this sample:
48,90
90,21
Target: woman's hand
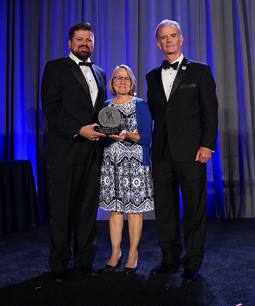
121,137
125,134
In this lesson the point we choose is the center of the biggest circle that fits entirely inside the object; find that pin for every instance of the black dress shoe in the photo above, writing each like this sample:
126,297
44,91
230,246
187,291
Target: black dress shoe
88,271
130,270
109,268
189,276
164,268
58,275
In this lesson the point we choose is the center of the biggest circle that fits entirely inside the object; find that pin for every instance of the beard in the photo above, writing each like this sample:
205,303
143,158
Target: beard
82,54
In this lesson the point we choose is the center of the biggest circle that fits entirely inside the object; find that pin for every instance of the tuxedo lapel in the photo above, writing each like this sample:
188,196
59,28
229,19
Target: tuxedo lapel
98,78
160,83
80,77
180,75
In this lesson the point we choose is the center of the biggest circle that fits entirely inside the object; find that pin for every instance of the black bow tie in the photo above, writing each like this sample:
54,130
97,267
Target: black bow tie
167,65
86,64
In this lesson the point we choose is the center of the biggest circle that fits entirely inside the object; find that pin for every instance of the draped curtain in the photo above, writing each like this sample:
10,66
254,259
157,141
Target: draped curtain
218,32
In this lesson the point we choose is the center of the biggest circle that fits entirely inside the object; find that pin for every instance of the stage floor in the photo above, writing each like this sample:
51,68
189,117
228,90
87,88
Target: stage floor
227,274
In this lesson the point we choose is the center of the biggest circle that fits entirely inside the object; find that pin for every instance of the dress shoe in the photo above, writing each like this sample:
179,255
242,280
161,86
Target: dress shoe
130,270
109,268
58,275
189,276
164,268
88,271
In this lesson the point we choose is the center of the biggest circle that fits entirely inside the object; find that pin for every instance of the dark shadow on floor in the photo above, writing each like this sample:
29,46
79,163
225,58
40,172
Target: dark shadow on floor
227,274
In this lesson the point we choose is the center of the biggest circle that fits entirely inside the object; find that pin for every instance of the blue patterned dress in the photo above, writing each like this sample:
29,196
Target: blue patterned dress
126,184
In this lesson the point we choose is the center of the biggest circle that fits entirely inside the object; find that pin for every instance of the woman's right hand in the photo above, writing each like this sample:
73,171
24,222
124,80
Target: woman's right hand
125,134
121,137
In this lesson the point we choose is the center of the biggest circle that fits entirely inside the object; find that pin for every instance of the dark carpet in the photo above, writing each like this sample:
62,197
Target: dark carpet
227,274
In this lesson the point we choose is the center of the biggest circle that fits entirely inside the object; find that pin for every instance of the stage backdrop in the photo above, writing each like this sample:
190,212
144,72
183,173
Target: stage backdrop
219,32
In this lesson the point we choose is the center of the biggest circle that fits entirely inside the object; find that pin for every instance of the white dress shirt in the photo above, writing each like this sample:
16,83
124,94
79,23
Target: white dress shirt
168,77
89,76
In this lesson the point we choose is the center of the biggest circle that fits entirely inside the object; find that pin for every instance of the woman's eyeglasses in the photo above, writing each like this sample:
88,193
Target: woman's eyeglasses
120,78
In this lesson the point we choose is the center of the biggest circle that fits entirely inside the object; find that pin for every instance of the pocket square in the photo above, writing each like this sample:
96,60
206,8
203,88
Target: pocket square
192,85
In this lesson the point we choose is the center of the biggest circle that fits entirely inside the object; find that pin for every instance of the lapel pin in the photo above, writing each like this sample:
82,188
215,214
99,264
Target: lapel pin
184,67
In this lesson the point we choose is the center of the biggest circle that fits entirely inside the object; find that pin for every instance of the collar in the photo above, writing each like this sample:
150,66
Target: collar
179,59
76,59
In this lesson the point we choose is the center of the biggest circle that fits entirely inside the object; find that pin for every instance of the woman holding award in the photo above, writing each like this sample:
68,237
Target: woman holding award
126,183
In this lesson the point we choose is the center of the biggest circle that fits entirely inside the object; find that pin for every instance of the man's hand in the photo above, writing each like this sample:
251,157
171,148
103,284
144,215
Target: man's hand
89,132
203,155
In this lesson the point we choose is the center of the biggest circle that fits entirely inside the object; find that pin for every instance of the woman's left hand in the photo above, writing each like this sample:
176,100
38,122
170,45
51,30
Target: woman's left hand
121,137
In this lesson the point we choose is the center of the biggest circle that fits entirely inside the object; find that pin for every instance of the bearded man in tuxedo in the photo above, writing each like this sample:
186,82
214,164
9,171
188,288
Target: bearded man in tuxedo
73,92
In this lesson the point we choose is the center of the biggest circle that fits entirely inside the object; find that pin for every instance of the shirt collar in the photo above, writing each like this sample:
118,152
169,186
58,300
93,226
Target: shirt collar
179,59
76,59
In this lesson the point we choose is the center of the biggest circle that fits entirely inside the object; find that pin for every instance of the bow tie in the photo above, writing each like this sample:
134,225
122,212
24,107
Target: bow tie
86,64
167,65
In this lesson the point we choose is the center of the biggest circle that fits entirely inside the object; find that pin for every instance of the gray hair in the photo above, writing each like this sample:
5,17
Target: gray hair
172,23
130,74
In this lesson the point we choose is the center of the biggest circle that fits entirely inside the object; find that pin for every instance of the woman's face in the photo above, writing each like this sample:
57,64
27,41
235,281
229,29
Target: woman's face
121,82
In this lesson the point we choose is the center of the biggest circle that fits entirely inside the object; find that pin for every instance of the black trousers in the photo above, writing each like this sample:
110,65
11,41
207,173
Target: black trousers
73,191
191,177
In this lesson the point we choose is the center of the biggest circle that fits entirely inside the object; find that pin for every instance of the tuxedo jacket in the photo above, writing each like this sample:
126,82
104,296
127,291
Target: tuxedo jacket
189,118
67,105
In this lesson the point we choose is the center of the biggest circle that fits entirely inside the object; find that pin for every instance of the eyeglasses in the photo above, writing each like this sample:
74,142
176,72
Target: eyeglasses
119,79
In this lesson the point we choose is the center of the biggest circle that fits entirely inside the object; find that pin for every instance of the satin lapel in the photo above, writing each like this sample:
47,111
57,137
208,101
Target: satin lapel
180,75
160,83
80,77
98,77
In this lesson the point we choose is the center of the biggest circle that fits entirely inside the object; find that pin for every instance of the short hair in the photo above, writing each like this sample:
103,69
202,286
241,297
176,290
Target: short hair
172,23
80,26
130,74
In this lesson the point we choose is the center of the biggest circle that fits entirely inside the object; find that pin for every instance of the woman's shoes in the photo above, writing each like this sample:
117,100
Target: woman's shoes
128,270
109,268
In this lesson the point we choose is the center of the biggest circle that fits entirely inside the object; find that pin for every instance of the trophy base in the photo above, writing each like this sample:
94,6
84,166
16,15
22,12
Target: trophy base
107,130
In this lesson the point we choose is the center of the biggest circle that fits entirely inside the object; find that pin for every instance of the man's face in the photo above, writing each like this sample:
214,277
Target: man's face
82,44
169,41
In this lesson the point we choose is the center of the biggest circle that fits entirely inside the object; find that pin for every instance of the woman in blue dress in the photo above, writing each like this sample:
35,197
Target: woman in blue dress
126,183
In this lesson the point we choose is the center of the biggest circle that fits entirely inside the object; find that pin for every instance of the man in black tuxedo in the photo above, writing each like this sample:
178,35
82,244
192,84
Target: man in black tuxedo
73,92
183,103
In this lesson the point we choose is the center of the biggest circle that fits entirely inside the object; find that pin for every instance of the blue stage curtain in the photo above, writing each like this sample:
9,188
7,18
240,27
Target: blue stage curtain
221,33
